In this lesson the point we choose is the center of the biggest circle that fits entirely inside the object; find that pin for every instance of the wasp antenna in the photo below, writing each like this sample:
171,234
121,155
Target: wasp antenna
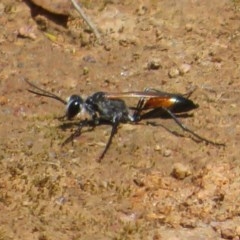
43,92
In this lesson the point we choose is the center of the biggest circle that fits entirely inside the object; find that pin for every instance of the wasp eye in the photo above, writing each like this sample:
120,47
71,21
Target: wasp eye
73,106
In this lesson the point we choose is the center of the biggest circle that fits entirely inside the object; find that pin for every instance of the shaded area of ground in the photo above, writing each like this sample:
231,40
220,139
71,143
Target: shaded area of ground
151,184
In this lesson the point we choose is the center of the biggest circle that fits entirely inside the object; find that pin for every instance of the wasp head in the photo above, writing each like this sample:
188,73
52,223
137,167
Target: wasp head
74,106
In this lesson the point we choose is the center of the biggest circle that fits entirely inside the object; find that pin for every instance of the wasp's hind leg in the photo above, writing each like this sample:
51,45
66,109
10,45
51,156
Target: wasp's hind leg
140,105
186,129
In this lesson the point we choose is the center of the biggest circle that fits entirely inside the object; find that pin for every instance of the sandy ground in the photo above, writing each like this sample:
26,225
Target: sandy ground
151,184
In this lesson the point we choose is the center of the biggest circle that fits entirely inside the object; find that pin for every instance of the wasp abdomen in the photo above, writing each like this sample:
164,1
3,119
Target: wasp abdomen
182,104
176,103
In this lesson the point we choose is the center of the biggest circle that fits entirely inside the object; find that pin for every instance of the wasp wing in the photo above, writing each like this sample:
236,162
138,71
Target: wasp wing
151,98
139,94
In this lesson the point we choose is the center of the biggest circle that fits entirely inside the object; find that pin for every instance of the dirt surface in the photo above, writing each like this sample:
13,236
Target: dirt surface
151,184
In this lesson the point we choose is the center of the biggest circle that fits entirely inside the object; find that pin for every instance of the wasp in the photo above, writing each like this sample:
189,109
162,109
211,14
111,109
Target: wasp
106,107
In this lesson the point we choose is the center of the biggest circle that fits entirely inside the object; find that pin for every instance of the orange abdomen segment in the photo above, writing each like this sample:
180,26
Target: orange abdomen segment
158,102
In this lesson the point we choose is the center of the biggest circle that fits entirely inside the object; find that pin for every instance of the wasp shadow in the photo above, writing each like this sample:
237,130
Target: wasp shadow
160,113
154,114
71,124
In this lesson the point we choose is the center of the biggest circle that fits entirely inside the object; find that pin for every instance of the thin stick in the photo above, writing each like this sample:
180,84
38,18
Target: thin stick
86,19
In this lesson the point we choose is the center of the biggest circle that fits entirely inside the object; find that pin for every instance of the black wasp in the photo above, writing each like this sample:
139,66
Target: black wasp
103,107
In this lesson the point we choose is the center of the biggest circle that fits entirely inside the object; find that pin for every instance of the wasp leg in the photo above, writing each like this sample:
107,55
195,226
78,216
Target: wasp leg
113,132
78,132
186,129
138,110
140,104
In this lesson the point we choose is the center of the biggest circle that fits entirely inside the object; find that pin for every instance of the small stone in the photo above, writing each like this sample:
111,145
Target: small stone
188,27
238,231
84,39
173,72
89,58
123,42
228,233
27,32
42,22
189,223
128,217
3,100
184,68
85,70
180,171
157,148
141,10
26,203
52,154
154,64
29,144
167,153
107,47
61,200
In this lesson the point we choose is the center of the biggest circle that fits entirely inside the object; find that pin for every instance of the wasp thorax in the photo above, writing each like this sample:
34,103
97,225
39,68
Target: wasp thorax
74,106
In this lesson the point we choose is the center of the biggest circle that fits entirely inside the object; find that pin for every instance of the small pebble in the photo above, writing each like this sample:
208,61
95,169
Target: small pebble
180,171
154,64
173,72
128,217
52,154
228,233
157,148
238,230
107,47
29,144
141,10
3,100
61,200
27,32
188,27
124,73
85,70
184,68
89,59
167,153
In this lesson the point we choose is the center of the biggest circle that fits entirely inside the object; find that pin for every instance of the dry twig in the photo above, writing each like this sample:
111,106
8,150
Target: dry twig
86,19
